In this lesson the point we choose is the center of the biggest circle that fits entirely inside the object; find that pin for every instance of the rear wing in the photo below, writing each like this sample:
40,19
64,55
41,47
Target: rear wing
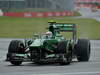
65,27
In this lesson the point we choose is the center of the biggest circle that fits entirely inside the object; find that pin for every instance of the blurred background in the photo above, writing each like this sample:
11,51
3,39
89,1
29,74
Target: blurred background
26,17
49,4
93,4
60,5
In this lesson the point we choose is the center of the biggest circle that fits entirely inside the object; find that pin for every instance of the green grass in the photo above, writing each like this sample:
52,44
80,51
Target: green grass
11,27
76,13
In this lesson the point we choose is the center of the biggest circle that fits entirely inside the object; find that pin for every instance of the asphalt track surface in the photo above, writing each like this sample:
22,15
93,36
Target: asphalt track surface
28,68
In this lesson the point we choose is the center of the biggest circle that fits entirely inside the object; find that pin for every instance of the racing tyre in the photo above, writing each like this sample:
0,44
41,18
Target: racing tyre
83,50
16,62
15,47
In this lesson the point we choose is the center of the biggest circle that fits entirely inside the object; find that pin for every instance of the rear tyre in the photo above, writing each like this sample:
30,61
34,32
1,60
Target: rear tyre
65,54
15,47
83,50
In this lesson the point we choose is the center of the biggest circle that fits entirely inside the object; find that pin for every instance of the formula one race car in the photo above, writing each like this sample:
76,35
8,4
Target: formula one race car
50,47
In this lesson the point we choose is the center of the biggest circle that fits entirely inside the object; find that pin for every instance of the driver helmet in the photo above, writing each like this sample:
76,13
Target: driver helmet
49,34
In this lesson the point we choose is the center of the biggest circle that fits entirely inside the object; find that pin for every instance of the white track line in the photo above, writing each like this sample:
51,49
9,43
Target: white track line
76,73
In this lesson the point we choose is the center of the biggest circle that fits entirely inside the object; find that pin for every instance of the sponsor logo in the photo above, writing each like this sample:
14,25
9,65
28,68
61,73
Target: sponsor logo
27,15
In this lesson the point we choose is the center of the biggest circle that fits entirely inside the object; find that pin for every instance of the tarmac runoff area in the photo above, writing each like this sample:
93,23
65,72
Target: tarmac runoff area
88,13
28,68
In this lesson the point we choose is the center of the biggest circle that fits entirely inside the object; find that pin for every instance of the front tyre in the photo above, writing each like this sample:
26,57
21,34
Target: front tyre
15,47
17,63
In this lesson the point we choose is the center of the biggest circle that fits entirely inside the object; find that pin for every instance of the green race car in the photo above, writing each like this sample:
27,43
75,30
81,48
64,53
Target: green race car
50,47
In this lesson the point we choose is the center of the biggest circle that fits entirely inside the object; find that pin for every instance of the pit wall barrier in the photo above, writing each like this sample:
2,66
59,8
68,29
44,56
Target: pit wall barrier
39,14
